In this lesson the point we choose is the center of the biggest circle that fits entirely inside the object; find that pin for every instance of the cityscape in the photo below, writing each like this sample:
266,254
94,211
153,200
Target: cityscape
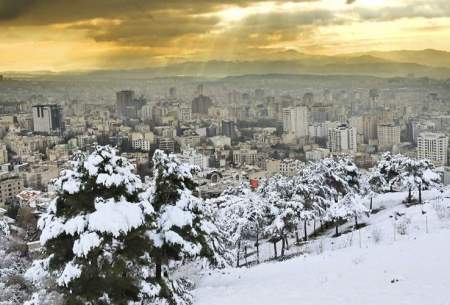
234,129
224,152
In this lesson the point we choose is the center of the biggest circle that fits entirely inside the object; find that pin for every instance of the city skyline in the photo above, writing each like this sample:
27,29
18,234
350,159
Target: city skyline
85,35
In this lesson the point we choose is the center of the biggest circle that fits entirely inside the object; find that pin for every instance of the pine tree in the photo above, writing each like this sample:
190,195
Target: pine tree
390,168
183,228
94,233
418,174
372,184
281,209
240,214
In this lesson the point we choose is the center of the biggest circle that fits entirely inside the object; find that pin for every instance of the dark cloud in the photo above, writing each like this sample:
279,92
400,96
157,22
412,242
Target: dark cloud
153,30
32,12
10,9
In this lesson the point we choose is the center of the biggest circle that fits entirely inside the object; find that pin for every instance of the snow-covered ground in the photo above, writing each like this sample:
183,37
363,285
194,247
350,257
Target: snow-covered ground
378,265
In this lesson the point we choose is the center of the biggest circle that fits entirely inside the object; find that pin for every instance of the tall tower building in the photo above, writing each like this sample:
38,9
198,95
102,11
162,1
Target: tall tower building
342,139
433,146
201,104
295,121
47,118
124,99
388,135
228,129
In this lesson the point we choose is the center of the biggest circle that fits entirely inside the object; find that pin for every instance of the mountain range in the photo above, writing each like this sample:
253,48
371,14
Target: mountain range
421,63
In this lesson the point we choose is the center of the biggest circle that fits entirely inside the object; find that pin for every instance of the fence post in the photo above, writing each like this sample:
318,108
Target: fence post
360,241
394,231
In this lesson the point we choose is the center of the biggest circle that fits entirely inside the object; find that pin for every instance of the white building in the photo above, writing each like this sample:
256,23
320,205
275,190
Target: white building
317,154
295,121
191,157
318,130
146,112
289,167
220,141
342,139
432,146
388,135
247,156
142,140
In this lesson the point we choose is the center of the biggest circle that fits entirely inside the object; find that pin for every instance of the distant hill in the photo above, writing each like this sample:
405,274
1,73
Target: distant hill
429,63
428,57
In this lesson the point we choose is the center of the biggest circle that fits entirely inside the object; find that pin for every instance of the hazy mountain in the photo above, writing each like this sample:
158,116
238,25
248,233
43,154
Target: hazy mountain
428,57
430,63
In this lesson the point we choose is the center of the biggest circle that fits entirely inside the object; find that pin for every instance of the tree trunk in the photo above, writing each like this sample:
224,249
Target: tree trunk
297,238
158,269
314,230
283,245
337,227
356,221
257,244
371,203
420,193
238,250
275,249
287,243
306,232
409,195
245,255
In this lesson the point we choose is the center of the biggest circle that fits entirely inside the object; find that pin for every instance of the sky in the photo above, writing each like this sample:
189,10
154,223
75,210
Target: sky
65,35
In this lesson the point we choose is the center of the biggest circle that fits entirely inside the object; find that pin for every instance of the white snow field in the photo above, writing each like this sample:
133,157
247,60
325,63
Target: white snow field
382,269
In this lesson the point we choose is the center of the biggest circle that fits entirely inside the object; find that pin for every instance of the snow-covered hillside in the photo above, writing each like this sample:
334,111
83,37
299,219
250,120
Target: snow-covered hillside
409,266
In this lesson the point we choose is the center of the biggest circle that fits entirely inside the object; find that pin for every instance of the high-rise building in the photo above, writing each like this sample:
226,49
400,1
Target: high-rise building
433,146
388,135
47,119
308,98
342,139
173,92
295,121
370,123
228,129
201,104
321,112
124,99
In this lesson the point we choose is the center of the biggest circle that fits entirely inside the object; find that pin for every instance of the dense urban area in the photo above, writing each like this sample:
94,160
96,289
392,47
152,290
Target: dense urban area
238,171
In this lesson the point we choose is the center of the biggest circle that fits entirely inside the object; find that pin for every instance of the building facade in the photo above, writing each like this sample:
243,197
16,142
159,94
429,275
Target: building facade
47,119
433,146
342,139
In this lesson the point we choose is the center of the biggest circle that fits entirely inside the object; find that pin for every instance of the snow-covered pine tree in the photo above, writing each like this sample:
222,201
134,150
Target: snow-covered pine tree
390,168
316,194
94,234
347,207
231,218
418,174
340,177
183,229
282,208
372,184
